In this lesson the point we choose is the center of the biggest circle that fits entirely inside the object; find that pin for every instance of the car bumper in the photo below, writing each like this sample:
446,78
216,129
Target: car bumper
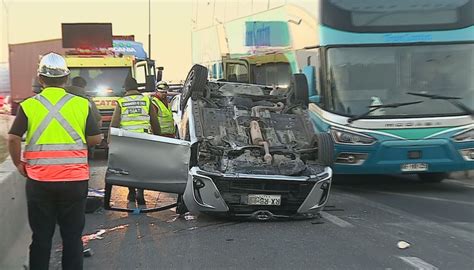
301,196
391,157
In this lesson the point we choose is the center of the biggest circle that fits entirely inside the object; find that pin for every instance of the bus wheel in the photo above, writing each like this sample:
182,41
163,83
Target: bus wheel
195,83
432,177
325,149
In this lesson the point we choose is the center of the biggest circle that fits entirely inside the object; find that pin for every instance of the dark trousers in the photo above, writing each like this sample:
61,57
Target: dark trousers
62,203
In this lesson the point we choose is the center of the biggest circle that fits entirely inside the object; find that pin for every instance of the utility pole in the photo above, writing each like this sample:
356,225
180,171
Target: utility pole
7,27
149,28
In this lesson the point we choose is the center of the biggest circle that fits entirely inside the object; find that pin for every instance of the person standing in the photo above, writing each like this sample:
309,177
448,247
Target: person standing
165,115
77,87
58,128
135,113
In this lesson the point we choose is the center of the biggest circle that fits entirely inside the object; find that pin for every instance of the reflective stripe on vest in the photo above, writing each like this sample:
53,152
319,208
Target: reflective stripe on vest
56,162
165,117
135,113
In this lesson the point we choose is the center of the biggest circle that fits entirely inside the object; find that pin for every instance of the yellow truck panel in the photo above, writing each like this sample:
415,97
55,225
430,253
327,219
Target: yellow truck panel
73,61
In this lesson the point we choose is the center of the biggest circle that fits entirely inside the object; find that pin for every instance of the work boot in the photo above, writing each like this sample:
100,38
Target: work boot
141,197
131,195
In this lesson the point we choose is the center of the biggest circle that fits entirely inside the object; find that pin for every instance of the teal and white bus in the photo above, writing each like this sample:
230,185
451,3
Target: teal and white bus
392,80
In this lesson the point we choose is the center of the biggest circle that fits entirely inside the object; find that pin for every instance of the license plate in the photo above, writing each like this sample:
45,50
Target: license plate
261,199
414,167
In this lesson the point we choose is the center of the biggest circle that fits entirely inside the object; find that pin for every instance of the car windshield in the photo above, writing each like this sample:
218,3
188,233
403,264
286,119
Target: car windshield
371,76
102,81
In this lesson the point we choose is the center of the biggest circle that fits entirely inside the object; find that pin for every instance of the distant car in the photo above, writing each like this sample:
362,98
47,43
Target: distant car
245,151
5,106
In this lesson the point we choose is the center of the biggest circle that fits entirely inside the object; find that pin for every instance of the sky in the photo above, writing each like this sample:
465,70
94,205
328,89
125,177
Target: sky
172,22
33,20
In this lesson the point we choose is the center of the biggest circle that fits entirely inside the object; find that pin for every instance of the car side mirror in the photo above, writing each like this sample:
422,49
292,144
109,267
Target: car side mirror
309,72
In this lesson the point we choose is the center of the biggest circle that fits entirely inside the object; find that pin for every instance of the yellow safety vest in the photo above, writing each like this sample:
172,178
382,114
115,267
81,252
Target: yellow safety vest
135,113
165,117
56,148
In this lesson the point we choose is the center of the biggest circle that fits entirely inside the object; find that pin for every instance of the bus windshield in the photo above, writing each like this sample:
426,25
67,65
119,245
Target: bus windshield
102,81
371,76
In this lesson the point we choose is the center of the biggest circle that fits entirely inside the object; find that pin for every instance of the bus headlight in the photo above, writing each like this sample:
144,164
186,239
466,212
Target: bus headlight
467,154
465,136
346,137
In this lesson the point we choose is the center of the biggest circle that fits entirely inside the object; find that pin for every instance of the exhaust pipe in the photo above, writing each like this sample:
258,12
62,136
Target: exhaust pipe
262,215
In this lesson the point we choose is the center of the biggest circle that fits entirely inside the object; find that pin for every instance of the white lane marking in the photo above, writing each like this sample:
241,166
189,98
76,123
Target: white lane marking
418,263
418,196
457,182
339,222
414,222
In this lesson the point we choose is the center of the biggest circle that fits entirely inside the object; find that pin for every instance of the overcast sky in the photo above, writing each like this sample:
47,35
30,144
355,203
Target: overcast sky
172,21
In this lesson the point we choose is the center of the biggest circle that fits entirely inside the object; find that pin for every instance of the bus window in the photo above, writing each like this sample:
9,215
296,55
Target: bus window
396,16
272,74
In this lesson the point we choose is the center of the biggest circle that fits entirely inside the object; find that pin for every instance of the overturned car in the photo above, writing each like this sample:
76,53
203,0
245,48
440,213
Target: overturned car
245,151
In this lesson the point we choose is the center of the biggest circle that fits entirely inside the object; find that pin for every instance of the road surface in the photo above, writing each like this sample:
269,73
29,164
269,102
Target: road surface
366,217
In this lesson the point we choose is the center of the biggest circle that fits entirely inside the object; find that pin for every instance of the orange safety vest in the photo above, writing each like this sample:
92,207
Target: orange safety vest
55,157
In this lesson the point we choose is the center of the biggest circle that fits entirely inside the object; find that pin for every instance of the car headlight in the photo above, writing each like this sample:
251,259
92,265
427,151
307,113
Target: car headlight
465,136
346,137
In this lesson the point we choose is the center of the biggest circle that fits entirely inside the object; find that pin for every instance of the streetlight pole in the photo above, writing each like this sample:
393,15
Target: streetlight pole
149,28
7,25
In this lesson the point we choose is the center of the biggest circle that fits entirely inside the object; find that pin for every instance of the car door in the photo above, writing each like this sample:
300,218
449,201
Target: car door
148,161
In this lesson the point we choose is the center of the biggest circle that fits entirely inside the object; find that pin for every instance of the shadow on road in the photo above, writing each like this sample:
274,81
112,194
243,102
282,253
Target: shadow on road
394,183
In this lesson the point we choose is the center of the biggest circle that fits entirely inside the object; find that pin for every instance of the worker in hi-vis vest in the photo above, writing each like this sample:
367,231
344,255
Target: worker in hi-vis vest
164,113
135,113
58,128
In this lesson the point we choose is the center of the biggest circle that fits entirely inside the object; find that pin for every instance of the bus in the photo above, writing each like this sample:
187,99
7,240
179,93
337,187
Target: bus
391,81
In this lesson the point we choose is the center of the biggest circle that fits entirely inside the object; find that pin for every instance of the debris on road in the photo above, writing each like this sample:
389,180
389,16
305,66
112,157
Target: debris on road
95,200
317,221
173,219
403,245
189,217
98,235
100,193
88,252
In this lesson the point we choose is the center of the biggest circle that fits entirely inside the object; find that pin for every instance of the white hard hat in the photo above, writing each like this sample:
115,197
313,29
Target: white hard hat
162,86
53,65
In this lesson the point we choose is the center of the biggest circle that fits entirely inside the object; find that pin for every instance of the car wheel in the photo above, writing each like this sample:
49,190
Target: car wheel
432,177
299,89
325,149
195,83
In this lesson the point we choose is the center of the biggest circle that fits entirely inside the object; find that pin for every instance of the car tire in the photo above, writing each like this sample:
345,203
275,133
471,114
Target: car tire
194,84
325,146
299,89
432,177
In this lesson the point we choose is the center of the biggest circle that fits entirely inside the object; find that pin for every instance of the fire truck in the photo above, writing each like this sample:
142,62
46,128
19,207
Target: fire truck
104,62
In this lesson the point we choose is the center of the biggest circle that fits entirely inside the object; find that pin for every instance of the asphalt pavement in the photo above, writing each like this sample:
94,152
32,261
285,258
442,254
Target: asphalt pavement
365,218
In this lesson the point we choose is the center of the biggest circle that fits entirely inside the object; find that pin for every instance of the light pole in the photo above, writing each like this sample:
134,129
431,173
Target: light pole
149,28
7,26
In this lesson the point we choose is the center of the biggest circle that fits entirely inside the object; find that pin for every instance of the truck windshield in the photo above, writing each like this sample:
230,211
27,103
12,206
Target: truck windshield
102,81
371,76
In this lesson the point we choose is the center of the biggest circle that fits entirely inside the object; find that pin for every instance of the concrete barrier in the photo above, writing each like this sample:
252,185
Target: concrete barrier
15,233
